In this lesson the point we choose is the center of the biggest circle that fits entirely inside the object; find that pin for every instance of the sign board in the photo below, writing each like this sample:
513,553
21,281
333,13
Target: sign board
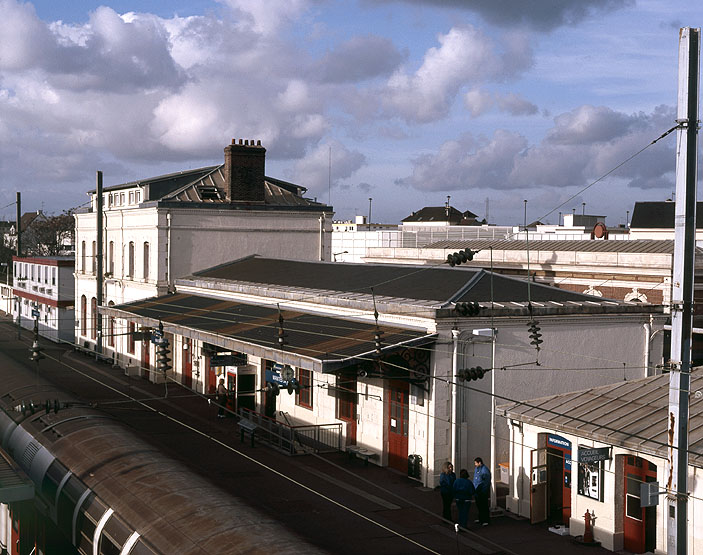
35,313
225,360
649,494
275,377
593,454
156,340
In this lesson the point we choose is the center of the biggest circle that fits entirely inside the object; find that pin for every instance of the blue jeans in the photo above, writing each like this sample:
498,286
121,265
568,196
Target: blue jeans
463,505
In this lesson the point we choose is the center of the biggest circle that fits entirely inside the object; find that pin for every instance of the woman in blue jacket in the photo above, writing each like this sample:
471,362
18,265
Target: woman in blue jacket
463,492
446,489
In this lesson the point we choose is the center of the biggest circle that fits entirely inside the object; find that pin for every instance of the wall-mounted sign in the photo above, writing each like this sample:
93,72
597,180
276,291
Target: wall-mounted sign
275,377
593,454
224,360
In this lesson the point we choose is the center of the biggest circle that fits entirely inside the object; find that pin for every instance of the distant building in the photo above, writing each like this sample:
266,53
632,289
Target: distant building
164,227
655,220
43,290
436,216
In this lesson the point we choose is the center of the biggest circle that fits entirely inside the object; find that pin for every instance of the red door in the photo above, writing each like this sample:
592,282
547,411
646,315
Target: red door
211,377
187,365
398,425
346,405
640,523
145,356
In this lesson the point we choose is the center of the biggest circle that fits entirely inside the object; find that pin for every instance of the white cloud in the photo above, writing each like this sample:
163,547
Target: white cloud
358,59
267,17
465,57
479,102
583,145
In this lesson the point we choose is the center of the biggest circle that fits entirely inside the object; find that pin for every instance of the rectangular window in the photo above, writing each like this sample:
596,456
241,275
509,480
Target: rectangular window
53,276
130,338
138,196
304,396
94,257
121,198
130,259
131,197
111,258
146,261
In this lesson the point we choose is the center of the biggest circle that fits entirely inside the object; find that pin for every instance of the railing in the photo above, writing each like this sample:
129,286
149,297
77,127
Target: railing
295,440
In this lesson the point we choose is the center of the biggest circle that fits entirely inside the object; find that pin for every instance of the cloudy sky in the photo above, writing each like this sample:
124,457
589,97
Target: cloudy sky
490,101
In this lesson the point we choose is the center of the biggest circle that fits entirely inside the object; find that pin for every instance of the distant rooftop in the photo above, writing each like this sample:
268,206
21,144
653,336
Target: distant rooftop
660,215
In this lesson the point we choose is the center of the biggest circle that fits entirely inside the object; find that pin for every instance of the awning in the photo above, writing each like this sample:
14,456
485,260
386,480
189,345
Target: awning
311,341
15,485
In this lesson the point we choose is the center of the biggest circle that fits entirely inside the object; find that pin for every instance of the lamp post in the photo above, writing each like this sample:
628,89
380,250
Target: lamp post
369,222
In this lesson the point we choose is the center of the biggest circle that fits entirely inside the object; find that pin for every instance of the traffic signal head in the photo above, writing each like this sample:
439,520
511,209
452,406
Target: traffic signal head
535,334
468,374
293,385
162,358
460,257
36,351
377,339
468,309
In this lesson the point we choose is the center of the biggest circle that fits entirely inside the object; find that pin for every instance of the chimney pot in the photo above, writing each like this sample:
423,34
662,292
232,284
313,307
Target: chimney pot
244,172
234,141
241,142
258,143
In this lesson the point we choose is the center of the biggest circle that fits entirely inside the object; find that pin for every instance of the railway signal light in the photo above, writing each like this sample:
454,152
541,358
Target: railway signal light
36,351
377,337
293,385
162,358
535,334
460,257
468,309
475,373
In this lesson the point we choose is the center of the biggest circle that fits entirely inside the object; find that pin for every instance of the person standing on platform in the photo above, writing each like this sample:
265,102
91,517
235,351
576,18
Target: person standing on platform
482,484
446,489
463,493
221,398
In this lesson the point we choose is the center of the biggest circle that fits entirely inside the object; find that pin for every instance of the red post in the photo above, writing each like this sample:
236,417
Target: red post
588,531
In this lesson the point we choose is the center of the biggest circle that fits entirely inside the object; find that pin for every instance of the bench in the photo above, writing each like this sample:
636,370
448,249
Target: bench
247,426
361,453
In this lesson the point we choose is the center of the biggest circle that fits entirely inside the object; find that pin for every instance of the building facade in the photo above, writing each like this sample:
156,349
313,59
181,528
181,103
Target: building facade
394,387
591,451
160,228
43,291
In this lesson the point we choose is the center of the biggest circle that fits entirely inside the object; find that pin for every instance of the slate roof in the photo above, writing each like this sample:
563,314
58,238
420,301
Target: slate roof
206,186
434,285
632,414
660,215
433,214
330,340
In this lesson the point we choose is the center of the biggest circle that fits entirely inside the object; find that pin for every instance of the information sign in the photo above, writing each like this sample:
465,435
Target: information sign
593,454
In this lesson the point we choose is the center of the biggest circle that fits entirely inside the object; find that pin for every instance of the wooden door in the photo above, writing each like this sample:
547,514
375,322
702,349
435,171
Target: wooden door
146,344
211,377
640,523
538,487
398,412
187,364
346,405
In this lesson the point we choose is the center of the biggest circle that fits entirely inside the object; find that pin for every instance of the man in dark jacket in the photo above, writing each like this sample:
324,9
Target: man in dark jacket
446,489
463,492
482,483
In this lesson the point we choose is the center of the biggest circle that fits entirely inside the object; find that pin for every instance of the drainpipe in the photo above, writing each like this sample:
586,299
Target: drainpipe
321,254
168,251
647,345
455,371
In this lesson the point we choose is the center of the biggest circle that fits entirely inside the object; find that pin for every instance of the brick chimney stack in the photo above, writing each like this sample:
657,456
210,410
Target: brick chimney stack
244,171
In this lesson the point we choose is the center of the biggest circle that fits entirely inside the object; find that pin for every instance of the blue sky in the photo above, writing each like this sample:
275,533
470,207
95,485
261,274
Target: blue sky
417,99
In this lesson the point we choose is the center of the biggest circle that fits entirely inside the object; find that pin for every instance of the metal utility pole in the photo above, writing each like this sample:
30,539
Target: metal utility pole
369,222
682,291
19,221
99,265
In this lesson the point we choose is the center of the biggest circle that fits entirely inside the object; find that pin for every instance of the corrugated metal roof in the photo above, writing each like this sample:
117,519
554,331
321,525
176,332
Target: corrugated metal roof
632,414
626,246
327,339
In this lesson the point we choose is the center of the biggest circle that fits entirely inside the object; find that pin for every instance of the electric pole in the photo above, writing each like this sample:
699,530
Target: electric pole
682,292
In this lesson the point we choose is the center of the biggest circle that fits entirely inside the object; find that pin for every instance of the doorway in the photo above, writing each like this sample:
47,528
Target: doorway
550,472
346,405
640,523
187,364
398,412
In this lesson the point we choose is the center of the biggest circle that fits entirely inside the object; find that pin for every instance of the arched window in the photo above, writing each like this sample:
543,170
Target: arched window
111,258
111,328
83,315
146,260
130,259
93,318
